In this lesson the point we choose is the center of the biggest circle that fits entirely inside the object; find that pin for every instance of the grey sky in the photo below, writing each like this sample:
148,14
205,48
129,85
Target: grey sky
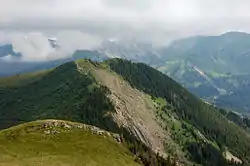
133,14
157,21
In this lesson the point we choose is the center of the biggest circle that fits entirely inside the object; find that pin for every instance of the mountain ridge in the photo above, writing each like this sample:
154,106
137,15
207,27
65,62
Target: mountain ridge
149,110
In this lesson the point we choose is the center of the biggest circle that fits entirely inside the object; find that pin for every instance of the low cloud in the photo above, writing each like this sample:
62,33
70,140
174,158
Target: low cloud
84,24
35,46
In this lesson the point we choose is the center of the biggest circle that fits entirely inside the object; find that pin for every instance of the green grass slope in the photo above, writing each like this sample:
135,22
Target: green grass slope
53,142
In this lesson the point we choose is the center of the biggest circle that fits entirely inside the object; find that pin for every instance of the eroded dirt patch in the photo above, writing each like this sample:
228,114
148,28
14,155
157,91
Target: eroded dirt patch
133,110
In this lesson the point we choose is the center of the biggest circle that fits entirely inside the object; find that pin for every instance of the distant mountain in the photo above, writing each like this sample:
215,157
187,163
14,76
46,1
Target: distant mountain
131,50
158,120
8,68
7,50
215,68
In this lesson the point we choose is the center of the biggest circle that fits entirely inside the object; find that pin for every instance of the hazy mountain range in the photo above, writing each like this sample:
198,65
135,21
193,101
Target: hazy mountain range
213,67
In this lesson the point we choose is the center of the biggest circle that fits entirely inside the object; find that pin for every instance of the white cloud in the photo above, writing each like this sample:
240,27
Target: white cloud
133,13
77,40
34,46
116,9
7,58
83,23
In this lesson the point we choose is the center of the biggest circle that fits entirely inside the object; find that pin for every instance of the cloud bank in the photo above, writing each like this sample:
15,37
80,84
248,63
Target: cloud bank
84,24
35,46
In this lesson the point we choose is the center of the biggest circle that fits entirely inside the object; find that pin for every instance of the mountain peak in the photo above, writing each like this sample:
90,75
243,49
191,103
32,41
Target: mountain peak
235,33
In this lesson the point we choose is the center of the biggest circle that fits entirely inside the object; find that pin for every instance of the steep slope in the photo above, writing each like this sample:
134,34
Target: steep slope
207,119
53,142
133,110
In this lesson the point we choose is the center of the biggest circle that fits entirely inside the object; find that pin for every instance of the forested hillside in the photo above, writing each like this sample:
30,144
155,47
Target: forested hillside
60,93
189,108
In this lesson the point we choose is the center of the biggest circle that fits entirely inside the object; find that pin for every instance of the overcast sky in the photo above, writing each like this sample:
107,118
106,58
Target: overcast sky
90,21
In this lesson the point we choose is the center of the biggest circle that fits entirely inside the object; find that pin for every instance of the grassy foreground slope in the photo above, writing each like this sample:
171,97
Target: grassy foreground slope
53,142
